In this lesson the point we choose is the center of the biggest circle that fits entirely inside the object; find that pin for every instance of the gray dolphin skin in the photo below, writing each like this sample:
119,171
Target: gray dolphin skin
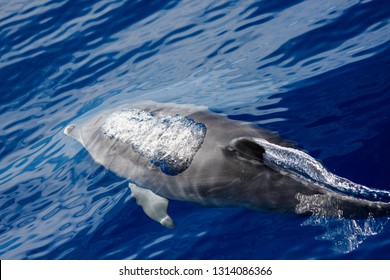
184,152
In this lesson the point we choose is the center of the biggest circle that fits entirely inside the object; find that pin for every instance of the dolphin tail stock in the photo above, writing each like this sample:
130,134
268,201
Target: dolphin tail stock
338,205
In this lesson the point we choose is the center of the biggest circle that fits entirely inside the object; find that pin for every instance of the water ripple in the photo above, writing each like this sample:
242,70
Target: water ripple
316,73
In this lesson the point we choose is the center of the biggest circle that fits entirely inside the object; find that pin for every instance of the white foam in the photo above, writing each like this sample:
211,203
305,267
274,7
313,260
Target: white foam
168,141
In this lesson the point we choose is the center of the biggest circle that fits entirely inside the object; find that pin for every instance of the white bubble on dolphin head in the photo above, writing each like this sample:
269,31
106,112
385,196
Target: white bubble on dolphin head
168,141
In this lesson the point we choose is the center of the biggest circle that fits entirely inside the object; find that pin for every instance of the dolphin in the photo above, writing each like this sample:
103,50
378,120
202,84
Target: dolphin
187,153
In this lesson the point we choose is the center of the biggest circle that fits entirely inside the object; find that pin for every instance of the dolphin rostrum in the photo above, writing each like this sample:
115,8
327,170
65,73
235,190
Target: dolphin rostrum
184,152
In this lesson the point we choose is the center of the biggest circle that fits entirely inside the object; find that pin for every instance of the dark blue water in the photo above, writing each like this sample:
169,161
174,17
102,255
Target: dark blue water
316,72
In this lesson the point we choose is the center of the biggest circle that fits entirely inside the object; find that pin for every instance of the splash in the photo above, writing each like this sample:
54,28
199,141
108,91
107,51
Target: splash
304,166
346,235
168,141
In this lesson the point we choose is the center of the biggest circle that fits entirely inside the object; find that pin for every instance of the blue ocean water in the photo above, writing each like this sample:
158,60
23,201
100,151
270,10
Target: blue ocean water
316,72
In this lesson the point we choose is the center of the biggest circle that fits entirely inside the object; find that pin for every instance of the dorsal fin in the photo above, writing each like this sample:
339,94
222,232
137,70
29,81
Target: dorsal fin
247,147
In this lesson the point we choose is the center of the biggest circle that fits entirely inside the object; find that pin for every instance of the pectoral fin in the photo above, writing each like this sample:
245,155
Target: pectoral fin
153,205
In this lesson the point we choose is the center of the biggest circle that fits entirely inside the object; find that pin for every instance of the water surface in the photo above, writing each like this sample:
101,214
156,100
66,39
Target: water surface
315,72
